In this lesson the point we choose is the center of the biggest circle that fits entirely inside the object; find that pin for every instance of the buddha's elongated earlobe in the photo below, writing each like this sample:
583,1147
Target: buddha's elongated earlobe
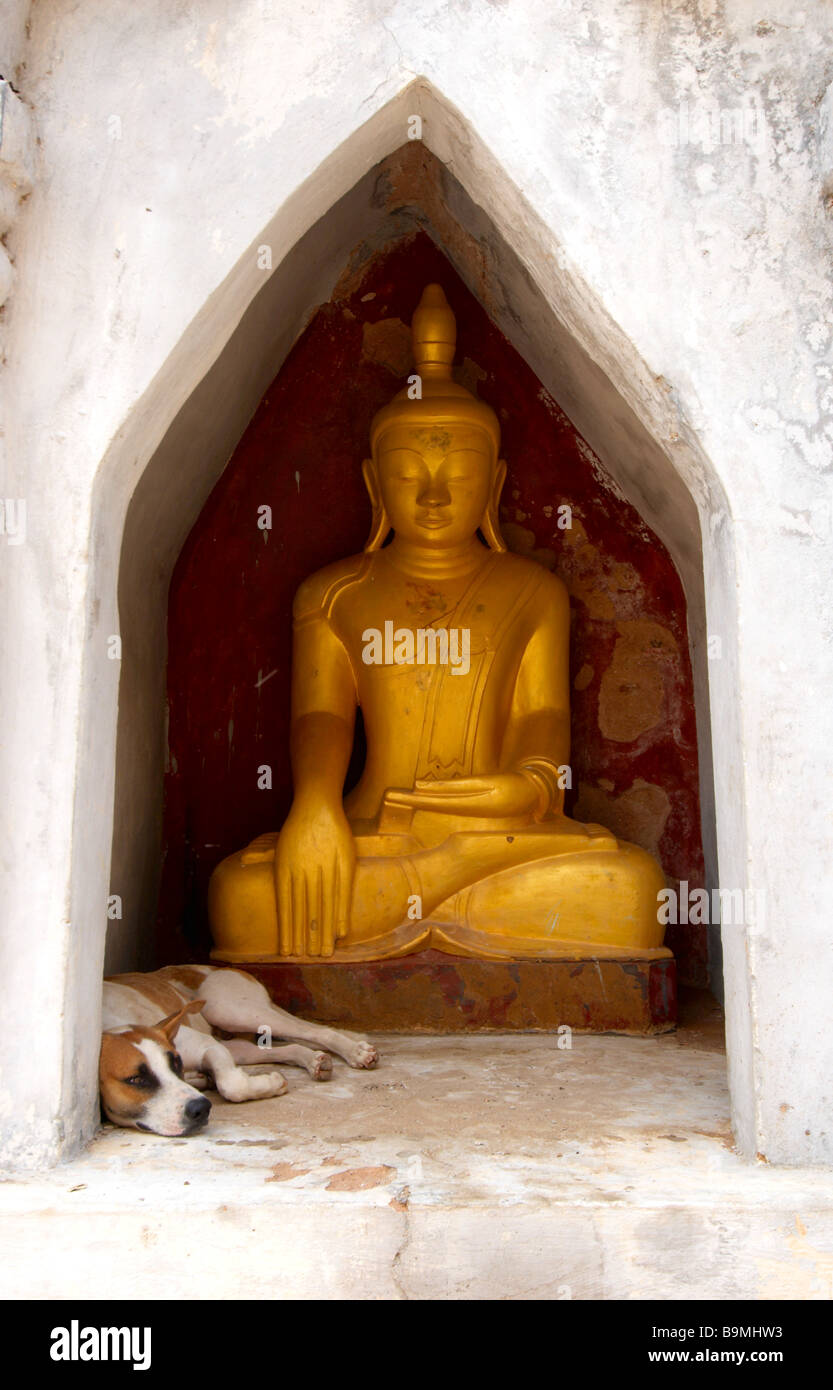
380,524
490,525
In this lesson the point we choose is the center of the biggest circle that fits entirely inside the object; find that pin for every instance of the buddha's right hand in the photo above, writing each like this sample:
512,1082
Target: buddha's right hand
314,865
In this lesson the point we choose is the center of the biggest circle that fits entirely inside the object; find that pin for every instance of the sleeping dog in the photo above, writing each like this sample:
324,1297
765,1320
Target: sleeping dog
161,1048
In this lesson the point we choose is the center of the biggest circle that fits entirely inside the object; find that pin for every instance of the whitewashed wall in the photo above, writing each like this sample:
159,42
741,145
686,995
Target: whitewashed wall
173,140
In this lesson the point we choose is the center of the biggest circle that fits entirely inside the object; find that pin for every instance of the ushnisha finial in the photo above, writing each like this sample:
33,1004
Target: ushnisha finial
436,399
434,333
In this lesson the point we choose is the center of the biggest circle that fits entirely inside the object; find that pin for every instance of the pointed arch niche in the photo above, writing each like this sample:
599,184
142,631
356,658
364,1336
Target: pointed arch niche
634,748
628,419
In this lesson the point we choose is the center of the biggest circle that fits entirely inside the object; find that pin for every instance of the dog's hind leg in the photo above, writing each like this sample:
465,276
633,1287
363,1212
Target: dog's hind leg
248,1054
238,1003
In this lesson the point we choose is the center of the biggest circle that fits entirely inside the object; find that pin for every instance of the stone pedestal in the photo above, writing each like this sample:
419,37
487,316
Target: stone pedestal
431,992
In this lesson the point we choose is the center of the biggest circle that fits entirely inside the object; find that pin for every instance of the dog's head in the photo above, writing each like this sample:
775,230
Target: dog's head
141,1081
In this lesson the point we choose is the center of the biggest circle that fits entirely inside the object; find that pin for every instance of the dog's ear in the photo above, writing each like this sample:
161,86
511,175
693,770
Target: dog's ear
170,1025
107,1064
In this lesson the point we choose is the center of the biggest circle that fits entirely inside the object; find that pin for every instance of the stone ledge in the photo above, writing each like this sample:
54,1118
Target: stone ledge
431,992
462,1168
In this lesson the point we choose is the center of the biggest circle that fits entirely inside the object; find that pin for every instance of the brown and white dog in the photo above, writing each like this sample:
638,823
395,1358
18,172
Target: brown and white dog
154,1063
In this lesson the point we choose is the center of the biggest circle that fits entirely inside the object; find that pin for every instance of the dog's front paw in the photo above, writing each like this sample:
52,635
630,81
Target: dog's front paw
240,1086
272,1083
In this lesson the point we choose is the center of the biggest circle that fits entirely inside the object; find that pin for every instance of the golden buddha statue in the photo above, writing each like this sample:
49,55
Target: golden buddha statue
457,653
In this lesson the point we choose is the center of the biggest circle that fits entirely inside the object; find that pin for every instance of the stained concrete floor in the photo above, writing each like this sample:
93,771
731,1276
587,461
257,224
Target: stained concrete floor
489,1166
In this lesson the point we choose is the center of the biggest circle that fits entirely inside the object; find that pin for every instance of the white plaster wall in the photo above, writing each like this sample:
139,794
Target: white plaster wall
171,137
13,17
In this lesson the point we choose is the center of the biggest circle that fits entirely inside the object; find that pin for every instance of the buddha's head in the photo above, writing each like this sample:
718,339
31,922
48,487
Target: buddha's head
435,476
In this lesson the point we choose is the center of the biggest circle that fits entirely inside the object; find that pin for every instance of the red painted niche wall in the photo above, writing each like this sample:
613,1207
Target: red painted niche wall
634,750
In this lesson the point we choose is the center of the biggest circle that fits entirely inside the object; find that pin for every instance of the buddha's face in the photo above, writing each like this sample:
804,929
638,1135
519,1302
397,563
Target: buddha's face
436,482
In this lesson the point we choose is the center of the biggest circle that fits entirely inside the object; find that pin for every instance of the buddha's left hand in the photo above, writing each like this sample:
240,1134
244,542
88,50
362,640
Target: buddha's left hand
501,794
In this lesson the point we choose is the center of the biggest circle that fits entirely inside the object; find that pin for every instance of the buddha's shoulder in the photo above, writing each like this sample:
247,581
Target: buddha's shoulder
319,591
519,572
